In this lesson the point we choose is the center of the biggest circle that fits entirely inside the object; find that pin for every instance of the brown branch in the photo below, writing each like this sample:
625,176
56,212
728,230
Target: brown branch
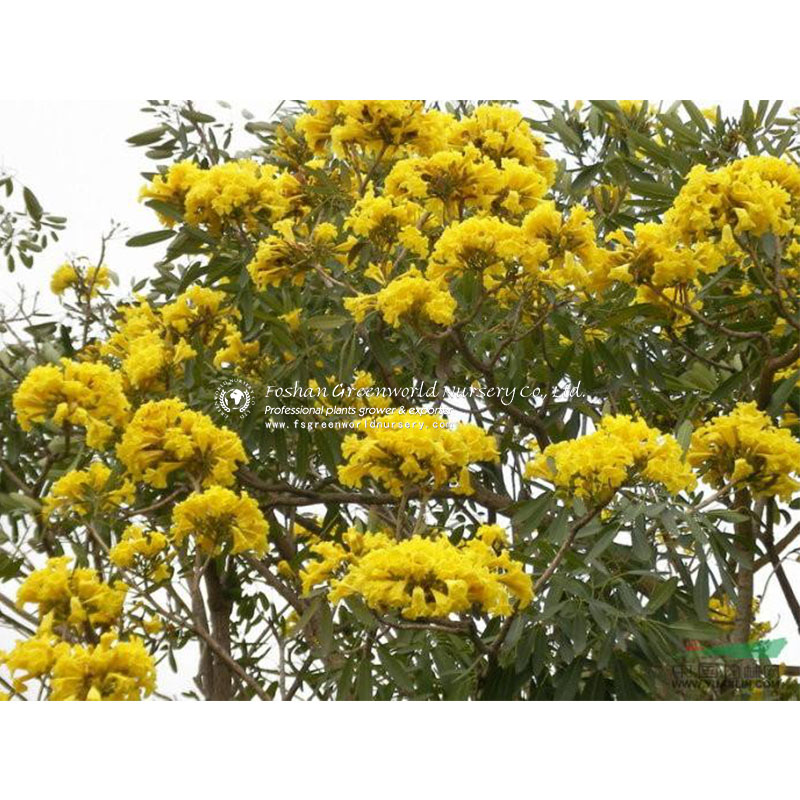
790,537
530,421
769,542
772,365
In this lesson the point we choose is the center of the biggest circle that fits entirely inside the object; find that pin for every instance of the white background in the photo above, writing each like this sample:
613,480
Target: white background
104,52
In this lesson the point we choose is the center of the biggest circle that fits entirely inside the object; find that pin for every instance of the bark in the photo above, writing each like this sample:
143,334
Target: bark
745,547
220,607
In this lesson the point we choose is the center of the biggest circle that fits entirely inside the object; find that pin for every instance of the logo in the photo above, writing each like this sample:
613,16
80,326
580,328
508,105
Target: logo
233,397
768,648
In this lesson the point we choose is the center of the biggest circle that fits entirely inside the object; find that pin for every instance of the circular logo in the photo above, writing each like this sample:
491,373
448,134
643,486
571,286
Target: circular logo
234,397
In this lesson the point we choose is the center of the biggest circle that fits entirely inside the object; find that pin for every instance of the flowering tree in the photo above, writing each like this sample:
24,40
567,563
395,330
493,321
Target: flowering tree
422,402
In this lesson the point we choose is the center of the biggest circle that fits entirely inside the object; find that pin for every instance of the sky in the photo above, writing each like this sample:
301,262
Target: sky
73,156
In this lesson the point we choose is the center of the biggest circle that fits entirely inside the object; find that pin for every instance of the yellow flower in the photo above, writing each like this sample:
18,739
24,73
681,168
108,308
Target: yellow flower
80,492
238,353
446,183
522,190
409,294
291,254
621,452
153,625
136,541
482,244
385,221
150,343
751,196
568,243
73,596
195,313
422,577
165,436
746,447
236,192
84,281
375,126
657,256
316,127
217,517
723,613
33,657
401,449
110,670
161,573
292,319
502,133
82,394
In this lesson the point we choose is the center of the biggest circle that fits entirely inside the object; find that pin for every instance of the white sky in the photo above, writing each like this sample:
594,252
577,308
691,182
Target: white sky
74,157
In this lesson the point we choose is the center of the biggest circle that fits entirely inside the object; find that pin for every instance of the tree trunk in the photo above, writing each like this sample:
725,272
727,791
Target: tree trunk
745,546
220,606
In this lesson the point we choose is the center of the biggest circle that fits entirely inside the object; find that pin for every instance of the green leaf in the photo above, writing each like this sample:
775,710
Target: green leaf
145,239
32,205
661,595
694,629
150,136
783,393
165,209
197,116
396,671
328,322
364,681
530,513
19,501
602,543
684,435
697,116
700,592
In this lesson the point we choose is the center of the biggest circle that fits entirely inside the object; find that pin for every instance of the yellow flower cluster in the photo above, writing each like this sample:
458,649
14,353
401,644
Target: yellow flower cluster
572,254
751,196
656,256
502,133
164,436
480,244
149,343
73,596
332,555
704,229
408,294
81,492
493,163
390,126
81,394
288,256
401,449
547,247
139,344
85,282
621,452
135,542
447,183
746,448
386,222
244,356
422,577
234,193
217,517
109,670
196,312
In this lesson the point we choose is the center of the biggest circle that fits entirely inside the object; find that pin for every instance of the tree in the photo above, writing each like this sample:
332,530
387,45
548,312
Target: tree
422,402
